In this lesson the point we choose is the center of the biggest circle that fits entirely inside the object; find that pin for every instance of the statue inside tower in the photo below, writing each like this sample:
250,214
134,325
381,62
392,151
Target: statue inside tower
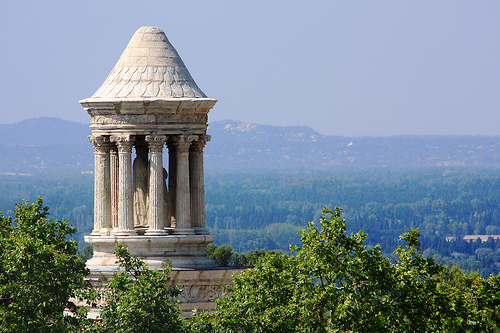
140,184
166,200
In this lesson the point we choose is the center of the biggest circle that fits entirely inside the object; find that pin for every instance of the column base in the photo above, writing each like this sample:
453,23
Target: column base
202,231
95,233
126,233
178,231
156,232
105,231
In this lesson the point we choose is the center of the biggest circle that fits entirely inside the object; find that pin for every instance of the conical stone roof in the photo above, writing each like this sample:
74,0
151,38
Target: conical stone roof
150,67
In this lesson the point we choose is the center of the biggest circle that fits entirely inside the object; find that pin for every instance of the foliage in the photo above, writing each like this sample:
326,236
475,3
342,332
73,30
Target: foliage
39,272
474,303
251,211
87,253
224,256
264,211
138,299
250,258
69,195
334,283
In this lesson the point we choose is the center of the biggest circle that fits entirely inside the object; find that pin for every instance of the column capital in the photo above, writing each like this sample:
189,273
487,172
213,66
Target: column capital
100,142
182,142
156,142
198,145
123,141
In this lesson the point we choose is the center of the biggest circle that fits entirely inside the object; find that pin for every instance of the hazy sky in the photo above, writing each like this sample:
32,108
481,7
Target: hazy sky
350,68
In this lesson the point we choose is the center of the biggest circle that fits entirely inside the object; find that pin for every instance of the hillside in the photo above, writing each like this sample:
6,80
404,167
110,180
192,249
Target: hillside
54,145
44,145
238,146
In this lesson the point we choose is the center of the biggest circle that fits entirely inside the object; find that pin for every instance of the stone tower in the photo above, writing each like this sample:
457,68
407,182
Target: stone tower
149,104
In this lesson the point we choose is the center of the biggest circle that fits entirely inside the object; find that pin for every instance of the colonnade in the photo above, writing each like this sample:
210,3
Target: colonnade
178,209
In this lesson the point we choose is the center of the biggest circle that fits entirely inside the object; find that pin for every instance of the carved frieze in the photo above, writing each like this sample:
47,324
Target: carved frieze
148,119
200,294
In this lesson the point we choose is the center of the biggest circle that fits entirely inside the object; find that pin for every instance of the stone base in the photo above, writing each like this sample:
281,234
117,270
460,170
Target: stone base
183,251
200,280
200,286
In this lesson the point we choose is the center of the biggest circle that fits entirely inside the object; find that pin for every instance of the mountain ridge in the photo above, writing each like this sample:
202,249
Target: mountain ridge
54,145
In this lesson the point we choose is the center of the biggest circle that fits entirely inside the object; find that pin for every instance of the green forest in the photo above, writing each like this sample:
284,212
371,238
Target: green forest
251,211
266,211
331,282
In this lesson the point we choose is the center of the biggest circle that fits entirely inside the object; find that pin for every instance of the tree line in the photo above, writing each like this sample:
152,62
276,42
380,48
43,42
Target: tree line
253,211
331,282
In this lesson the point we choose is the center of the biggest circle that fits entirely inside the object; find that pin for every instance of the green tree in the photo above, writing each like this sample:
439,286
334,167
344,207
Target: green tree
87,253
250,258
334,283
222,255
39,272
475,303
138,299
225,256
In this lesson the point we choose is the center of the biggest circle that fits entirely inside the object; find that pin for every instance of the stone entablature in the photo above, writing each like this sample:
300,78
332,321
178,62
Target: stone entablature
177,117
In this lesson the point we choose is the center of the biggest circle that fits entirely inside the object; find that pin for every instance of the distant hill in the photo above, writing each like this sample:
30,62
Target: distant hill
54,145
45,145
237,146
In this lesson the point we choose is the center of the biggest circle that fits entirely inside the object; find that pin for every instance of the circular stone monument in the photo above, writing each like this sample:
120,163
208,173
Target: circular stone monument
149,103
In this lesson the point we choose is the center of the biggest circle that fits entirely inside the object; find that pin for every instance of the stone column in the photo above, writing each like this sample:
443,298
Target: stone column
102,218
172,179
182,195
156,185
113,170
125,197
197,184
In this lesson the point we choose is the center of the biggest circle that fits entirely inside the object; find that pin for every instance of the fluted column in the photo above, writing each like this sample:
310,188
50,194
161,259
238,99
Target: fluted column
113,176
102,219
125,196
197,184
172,179
182,191
156,185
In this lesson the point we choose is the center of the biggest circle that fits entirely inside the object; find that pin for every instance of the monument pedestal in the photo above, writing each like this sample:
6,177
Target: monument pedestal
183,251
200,286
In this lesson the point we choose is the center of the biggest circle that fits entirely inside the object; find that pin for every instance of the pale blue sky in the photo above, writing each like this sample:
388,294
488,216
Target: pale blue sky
350,68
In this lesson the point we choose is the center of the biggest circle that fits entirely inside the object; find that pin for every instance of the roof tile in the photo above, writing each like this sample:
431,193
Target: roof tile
150,67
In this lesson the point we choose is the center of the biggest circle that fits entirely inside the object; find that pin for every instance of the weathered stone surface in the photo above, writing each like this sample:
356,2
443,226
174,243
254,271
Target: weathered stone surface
149,89
199,286
184,251
148,101
156,210
150,67
148,119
